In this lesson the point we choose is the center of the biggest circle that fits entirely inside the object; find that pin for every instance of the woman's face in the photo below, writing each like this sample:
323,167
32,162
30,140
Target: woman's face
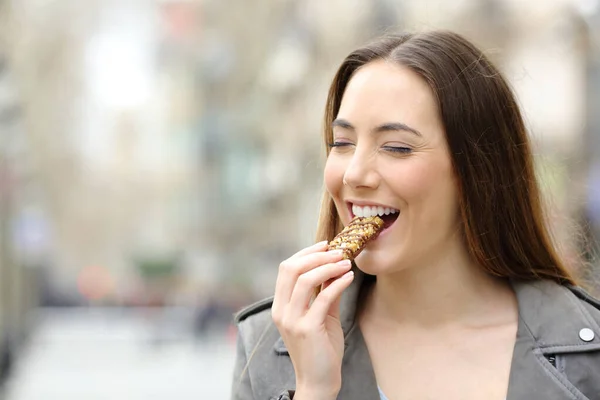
390,154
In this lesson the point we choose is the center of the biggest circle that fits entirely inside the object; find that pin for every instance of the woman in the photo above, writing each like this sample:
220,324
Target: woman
463,295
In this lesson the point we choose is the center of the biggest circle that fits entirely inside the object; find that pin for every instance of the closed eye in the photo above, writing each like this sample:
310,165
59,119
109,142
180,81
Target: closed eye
394,149
339,144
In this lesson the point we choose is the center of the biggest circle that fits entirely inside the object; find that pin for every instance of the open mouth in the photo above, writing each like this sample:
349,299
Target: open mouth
388,220
387,214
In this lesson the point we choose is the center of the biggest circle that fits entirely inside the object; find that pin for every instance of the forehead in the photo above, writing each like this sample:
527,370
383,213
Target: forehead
384,92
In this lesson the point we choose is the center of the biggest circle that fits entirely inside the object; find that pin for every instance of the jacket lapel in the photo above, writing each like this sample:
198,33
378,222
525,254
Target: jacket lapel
550,319
358,377
532,376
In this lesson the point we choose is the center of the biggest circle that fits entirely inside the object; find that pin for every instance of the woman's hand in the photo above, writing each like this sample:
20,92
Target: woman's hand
313,333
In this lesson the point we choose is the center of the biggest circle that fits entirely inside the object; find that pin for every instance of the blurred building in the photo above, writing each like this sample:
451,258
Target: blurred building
18,282
169,152
185,135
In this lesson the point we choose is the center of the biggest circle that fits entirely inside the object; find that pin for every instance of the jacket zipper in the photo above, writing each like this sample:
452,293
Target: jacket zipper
552,360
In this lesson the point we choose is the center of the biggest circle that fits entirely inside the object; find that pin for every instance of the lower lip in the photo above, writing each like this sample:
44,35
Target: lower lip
389,228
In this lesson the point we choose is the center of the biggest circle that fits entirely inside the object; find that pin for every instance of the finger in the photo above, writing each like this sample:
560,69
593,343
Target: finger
304,289
328,282
283,286
328,301
334,308
311,249
291,269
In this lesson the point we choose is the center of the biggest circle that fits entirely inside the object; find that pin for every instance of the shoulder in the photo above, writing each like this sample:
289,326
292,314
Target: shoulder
255,325
546,294
584,295
590,303
260,307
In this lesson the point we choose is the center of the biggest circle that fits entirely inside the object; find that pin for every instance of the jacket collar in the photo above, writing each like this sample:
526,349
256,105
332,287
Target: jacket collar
554,316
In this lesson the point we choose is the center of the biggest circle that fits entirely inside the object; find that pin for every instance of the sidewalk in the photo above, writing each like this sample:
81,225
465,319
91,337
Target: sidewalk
115,355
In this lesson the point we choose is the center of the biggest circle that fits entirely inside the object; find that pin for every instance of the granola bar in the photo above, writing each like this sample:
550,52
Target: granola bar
354,237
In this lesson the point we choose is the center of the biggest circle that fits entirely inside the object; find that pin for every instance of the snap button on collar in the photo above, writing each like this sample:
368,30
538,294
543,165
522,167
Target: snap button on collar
586,334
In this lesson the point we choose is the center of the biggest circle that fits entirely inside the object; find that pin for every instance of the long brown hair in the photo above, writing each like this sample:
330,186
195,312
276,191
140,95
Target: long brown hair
503,221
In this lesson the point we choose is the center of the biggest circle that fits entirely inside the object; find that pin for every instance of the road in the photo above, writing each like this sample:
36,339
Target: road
102,354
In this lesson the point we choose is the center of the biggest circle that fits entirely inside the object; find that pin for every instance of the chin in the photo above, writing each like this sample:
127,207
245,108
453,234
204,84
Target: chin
370,264
380,262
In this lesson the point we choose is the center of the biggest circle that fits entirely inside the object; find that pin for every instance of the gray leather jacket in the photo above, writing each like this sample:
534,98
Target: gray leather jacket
556,354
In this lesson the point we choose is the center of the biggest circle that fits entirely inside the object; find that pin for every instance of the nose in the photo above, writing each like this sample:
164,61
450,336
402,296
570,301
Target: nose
361,171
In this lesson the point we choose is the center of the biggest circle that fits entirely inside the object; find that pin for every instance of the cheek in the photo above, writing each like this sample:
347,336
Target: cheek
430,186
333,176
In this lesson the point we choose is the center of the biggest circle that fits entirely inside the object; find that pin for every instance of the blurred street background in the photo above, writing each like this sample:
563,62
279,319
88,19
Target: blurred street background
160,158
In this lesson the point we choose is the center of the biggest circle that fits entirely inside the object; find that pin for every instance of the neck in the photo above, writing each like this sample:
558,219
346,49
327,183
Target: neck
447,291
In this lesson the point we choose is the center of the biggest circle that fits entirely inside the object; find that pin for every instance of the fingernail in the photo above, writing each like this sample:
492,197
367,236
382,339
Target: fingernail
336,252
344,263
323,243
348,275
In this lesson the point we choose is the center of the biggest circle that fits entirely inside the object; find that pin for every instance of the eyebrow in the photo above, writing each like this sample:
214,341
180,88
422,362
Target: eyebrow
388,126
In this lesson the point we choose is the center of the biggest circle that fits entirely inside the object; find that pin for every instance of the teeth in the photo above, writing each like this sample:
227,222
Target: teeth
356,210
371,211
367,211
